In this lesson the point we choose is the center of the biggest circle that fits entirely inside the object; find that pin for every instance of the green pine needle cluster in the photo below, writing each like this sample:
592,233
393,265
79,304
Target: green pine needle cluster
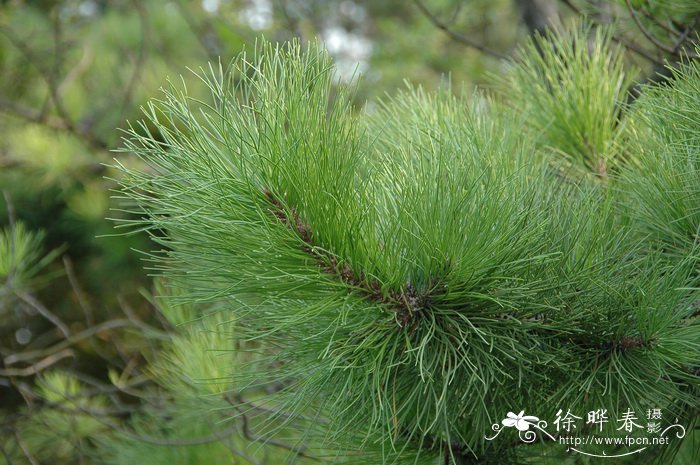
22,258
395,283
663,186
59,434
571,87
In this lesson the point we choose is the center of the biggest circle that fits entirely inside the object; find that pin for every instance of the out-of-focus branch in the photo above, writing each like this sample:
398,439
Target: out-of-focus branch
80,68
38,366
456,35
298,450
673,50
43,311
538,15
7,457
25,451
63,121
140,57
32,116
656,21
644,30
292,24
686,33
78,291
69,341
202,32
619,39
637,50
572,7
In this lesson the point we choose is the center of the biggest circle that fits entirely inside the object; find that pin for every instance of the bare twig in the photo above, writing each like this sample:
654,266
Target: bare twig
199,440
140,58
77,290
455,13
69,341
618,39
43,311
686,33
32,116
77,70
98,415
656,21
297,450
159,333
572,7
98,389
456,35
647,34
24,449
639,51
66,122
84,305
38,366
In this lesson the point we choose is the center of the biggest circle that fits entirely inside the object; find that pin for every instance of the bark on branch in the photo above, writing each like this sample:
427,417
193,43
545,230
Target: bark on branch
407,302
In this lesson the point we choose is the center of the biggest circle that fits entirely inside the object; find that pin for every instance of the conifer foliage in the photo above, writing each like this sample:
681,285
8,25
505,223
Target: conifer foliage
383,287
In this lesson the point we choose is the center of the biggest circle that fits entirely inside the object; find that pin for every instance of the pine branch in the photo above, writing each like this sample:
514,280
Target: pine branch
407,303
443,216
670,49
454,35
619,345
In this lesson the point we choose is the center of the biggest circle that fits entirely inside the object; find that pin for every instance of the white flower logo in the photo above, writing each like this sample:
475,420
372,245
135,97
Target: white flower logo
520,421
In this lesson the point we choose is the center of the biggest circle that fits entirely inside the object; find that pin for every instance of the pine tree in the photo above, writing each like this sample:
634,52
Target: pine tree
383,285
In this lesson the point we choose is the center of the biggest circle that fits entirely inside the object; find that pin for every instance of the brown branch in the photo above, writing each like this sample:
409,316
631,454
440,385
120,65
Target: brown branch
104,417
682,36
194,441
74,339
646,33
619,345
617,39
298,451
98,389
77,290
407,303
686,33
25,451
639,51
656,21
140,58
79,69
38,366
456,35
32,116
624,344
66,123
572,7
43,311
